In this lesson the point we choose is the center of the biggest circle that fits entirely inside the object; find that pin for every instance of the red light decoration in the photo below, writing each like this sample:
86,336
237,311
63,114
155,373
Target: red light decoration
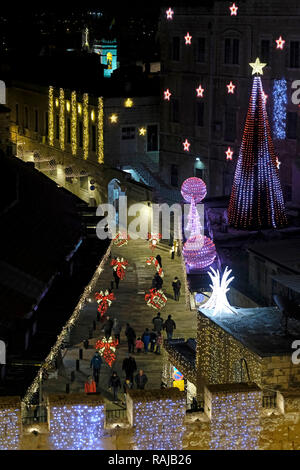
229,154
156,299
121,239
233,9
119,265
104,301
230,88
167,94
169,14
152,260
107,349
200,91
188,38
256,199
153,239
193,188
280,43
186,145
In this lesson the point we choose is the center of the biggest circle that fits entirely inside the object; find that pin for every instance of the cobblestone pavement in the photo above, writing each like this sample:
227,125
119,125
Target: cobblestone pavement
129,306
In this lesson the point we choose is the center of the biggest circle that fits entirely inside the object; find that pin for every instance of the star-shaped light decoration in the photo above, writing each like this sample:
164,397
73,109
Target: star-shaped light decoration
280,43
142,131
233,9
231,87
167,94
229,154
257,67
278,163
169,14
200,91
113,118
128,103
188,38
186,145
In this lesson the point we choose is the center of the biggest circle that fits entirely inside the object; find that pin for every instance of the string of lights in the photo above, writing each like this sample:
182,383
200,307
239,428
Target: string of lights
51,117
100,131
10,428
62,119
85,112
73,123
279,108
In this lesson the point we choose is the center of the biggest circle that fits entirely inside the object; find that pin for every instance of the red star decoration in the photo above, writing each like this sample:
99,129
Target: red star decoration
231,88
233,9
280,43
169,14
188,38
167,94
229,154
186,145
200,91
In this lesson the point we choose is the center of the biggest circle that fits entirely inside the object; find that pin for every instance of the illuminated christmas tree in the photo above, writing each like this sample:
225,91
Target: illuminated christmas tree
256,198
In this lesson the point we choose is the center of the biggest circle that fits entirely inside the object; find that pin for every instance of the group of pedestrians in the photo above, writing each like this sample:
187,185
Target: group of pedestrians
129,367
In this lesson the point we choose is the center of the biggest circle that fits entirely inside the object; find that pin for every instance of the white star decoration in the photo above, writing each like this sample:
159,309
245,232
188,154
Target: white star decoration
186,145
188,38
233,9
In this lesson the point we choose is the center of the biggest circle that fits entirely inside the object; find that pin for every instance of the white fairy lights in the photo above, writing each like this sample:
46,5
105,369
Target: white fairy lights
9,428
218,302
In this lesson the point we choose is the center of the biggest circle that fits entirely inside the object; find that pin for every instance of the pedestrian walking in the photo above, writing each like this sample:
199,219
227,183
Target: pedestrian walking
114,384
129,366
116,278
176,284
146,339
153,337
158,282
130,334
158,258
107,327
127,385
139,345
159,342
141,379
169,326
158,322
116,329
90,385
96,364
172,252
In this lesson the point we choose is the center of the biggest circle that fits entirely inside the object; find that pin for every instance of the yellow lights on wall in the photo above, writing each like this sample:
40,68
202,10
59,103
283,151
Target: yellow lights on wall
50,117
68,106
85,126
93,115
113,118
62,119
56,102
79,108
128,103
100,131
142,131
73,123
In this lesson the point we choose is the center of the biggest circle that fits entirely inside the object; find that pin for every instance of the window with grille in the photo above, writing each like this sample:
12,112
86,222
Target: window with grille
152,138
231,51
201,50
265,51
176,48
291,125
200,114
294,54
128,133
230,125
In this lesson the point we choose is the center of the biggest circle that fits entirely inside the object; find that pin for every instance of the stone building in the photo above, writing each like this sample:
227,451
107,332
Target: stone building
206,48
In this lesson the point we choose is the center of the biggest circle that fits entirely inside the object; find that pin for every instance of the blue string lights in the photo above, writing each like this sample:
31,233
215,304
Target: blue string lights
9,429
279,108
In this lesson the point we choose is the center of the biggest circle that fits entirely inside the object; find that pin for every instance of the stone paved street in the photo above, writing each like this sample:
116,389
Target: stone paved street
129,306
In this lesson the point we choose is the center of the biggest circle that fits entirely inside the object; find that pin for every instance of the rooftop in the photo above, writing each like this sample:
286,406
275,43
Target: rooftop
285,253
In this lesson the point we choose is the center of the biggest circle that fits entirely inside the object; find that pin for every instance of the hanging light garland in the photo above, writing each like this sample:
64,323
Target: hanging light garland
152,260
107,349
104,301
121,239
156,299
153,239
119,265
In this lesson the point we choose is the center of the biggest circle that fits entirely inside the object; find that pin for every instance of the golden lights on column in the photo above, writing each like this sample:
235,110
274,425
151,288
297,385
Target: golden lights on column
85,126
100,131
73,123
50,117
62,119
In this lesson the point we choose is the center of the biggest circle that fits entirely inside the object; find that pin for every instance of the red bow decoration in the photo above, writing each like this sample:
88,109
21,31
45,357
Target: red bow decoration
156,299
104,301
154,239
153,260
119,265
107,349
121,239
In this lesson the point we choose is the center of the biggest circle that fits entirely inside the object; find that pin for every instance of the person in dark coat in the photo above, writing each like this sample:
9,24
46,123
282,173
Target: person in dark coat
116,278
129,366
158,323
169,326
115,384
176,284
153,336
116,329
158,257
146,339
158,282
96,364
141,379
108,327
130,334
127,385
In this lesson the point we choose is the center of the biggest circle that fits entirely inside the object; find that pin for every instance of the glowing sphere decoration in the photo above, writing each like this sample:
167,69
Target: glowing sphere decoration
193,188
199,252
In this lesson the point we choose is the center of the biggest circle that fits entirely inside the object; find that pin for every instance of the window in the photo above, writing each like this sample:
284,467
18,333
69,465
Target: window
26,123
128,133
176,48
230,125
68,131
294,54
174,175
265,51
201,50
57,126
93,138
17,114
175,111
152,138
291,125
231,51
84,183
199,173
200,114
80,129
36,120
